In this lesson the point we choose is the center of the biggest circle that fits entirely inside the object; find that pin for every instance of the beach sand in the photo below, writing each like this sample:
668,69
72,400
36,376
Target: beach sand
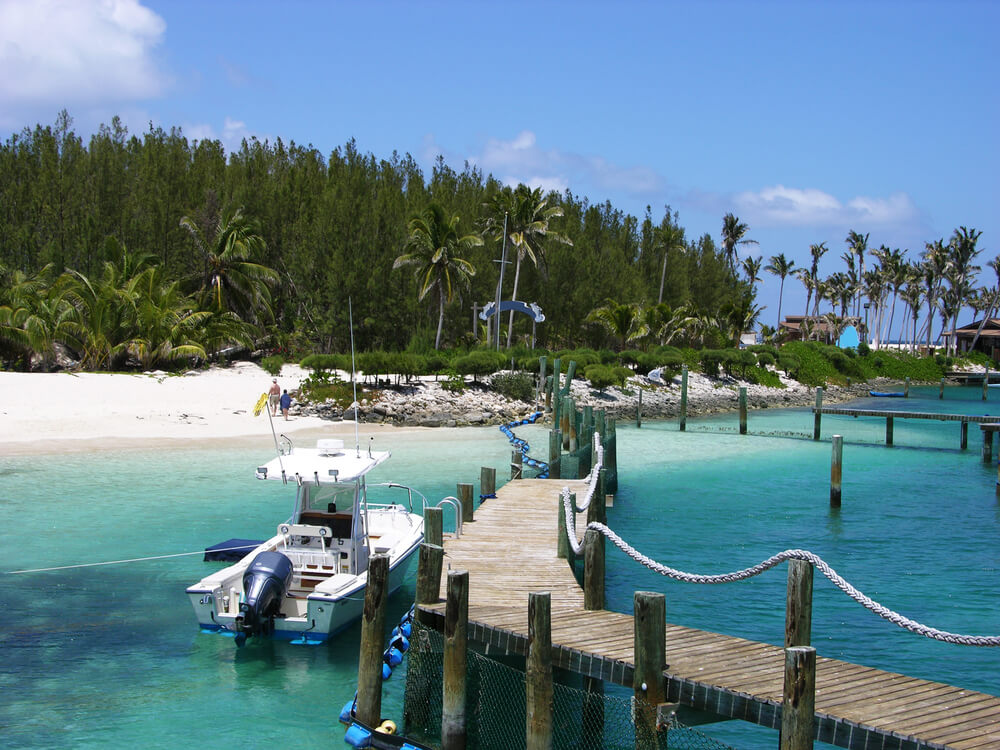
48,412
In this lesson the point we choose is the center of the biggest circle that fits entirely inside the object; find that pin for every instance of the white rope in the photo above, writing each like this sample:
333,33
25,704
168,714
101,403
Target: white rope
790,554
591,479
132,560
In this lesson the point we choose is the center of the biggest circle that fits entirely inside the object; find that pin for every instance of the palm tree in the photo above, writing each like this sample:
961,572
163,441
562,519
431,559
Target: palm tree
167,324
781,267
857,243
432,246
751,267
231,277
935,262
803,275
671,237
624,321
963,251
733,234
913,294
995,265
817,252
528,216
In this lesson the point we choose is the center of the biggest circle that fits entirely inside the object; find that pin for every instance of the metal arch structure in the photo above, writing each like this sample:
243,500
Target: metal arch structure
532,310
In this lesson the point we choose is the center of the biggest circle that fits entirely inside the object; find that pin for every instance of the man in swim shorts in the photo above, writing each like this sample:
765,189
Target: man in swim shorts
274,396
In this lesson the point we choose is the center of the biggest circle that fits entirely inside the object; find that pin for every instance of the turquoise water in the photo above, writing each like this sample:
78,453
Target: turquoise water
110,656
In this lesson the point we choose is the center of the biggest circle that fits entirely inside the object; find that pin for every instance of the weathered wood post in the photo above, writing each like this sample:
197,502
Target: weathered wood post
941,392
430,561
516,464
570,373
649,647
456,623
987,446
555,454
684,398
798,604
434,525
799,699
888,430
538,673
553,396
568,426
597,511
564,550
743,410
541,379
465,495
836,475
819,413
611,455
372,635
906,387
986,383
963,441
487,481
593,569
600,426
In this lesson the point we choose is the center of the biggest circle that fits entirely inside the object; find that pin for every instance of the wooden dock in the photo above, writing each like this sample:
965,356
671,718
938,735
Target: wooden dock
510,551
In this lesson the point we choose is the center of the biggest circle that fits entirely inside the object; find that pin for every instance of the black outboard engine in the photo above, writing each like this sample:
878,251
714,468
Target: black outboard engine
264,586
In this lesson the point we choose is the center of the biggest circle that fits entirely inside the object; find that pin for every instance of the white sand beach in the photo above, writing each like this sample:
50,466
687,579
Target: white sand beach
44,412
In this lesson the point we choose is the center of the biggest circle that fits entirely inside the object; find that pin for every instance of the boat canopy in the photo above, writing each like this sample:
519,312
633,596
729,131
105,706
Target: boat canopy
328,463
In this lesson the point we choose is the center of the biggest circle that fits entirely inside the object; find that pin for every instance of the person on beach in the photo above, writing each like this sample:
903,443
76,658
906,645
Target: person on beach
274,396
286,403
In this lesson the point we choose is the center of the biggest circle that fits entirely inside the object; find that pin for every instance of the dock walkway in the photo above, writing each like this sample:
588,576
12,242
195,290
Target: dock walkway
510,551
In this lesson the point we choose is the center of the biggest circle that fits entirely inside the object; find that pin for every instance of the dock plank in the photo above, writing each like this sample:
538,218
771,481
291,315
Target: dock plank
856,706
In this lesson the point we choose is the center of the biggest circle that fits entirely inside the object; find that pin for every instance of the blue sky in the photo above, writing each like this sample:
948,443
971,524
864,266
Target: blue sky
805,119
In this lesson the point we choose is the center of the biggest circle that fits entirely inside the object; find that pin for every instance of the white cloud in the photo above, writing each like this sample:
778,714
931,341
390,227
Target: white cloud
61,53
783,206
232,133
521,159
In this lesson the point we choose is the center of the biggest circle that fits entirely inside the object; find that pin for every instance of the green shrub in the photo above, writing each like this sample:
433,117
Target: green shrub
480,362
273,364
710,360
317,362
630,357
454,383
765,358
517,386
863,349
602,376
761,376
789,364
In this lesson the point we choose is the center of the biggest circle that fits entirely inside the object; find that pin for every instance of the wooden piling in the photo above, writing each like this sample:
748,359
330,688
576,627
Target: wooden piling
593,569
649,648
570,372
906,387
553,394
555,454
430,561
538,673
516,464
987,446
818,417
888,430
369,708
487,481
465,495
798,604
564,550
638,411
836,476
986,383
456,623
963,441
799,699
684,398
743,410
434,525
574,427
597,510
541,379
941,391
565,421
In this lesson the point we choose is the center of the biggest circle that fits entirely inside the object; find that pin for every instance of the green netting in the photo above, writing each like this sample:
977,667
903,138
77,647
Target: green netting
495,708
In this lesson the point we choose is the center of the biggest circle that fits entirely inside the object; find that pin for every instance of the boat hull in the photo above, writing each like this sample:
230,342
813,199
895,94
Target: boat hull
311,618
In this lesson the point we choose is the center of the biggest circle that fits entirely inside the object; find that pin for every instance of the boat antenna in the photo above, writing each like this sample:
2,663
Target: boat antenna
354,379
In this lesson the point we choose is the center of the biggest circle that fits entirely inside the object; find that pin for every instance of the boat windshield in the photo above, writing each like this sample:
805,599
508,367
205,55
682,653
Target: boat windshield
328,498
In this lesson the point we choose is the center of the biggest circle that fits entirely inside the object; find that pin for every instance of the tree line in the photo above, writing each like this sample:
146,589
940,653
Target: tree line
331,229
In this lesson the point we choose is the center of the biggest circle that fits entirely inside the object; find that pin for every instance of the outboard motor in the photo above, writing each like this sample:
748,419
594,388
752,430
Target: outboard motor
264,586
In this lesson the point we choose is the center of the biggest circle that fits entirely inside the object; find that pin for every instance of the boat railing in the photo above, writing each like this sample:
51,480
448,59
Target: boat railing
409,493
286,445
455,503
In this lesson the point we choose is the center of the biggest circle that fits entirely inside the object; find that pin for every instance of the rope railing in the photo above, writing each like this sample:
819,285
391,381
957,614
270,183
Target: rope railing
740,575
592,479
523,446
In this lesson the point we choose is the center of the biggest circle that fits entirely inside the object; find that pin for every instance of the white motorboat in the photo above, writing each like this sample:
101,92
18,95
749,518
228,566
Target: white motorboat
308,581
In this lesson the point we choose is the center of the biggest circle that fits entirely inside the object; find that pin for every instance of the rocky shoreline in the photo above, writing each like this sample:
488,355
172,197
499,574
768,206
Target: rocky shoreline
425,403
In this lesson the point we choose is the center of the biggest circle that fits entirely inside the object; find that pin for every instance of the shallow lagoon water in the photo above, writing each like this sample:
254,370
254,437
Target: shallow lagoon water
111,657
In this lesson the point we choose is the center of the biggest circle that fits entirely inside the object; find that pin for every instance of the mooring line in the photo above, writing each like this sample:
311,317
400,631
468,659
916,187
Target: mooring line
131,560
